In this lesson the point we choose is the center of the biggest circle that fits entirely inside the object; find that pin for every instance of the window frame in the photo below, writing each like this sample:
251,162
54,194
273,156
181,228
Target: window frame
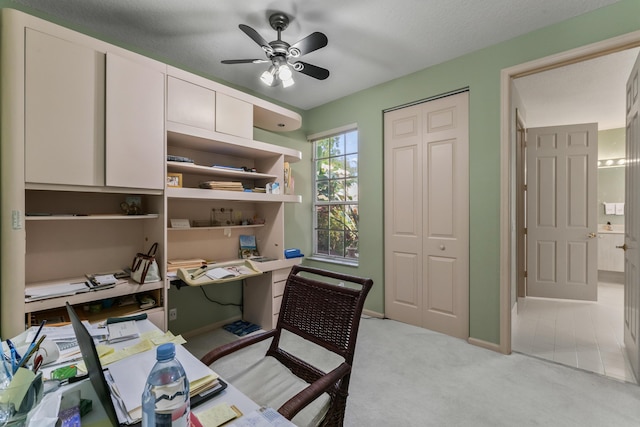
313,139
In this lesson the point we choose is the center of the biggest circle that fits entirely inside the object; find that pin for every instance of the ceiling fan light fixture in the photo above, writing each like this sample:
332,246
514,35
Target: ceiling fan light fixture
284,72
268,76
288,82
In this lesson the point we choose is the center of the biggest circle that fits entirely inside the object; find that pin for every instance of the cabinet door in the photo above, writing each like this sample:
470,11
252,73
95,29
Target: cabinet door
234,116
64,111
134,124
190,104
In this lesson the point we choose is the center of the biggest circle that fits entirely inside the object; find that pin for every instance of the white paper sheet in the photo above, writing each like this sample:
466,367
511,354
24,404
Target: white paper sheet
130,374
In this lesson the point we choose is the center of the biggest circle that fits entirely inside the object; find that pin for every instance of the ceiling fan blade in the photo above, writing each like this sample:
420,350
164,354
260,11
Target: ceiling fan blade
311,70
254,35
244,61
308,44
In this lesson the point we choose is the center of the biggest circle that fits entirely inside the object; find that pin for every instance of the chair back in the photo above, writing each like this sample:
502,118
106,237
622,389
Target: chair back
323,307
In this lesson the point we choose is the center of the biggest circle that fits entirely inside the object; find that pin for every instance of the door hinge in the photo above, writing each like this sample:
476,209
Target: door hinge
524,187
525,231
525,275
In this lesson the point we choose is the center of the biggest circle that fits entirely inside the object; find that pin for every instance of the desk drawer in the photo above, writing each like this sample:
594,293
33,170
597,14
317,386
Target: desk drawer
278,288
277,302
280,275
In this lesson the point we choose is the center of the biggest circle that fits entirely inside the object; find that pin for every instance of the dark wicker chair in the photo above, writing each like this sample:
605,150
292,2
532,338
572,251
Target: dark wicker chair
324,313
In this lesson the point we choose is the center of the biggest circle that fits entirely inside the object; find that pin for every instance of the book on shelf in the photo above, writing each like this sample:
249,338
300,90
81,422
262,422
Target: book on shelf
222,185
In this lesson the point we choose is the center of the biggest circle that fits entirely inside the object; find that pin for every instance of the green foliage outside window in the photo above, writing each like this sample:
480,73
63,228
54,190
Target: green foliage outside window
336,196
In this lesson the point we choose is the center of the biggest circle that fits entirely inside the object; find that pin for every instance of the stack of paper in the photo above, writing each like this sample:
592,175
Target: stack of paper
122,331
34,293
128,384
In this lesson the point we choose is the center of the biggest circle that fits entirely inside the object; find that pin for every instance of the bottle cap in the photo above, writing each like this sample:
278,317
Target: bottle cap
165,351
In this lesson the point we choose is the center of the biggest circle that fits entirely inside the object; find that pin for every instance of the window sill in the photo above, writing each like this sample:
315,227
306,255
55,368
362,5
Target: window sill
346,262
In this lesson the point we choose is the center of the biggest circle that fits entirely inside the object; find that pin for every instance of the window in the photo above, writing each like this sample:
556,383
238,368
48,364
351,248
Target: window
335,205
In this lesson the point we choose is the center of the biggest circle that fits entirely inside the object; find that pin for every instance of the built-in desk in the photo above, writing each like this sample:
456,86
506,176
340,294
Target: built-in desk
262,293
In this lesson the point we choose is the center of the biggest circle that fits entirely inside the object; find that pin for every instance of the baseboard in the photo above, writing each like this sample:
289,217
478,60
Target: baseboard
373,314
611,276
209,327
485,344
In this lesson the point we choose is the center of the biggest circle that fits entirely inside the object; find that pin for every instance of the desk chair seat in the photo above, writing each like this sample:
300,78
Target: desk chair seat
322,308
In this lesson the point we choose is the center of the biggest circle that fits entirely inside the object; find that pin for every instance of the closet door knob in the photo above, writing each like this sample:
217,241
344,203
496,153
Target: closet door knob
623,247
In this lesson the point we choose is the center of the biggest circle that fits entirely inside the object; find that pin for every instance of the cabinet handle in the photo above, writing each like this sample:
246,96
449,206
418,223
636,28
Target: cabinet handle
623,247
591,235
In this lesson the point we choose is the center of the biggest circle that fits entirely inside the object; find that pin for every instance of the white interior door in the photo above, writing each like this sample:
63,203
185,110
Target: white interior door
562,212
632,225
427,215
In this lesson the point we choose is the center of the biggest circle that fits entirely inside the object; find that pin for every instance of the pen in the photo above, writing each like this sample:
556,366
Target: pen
30,351
14,352
38,331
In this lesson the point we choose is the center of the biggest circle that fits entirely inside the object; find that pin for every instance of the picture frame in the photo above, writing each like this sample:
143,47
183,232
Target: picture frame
174,180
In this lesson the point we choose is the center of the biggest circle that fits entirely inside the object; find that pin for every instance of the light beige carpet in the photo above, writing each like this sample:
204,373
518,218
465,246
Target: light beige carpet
408,376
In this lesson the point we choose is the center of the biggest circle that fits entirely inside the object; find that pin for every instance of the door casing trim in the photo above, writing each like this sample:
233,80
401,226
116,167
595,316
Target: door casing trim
583,53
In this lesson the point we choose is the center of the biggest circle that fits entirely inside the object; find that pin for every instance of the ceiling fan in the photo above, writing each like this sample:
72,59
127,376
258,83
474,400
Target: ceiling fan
281,54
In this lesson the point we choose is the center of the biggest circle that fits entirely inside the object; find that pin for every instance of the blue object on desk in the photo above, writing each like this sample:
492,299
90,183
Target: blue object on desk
293,253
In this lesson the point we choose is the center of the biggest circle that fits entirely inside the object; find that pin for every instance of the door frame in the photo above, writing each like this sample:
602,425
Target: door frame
507,180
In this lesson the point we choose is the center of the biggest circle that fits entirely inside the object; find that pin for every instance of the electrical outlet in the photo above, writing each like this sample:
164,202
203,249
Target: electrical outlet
173,314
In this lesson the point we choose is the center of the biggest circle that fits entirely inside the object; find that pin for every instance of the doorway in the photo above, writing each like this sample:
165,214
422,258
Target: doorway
583,335
510,286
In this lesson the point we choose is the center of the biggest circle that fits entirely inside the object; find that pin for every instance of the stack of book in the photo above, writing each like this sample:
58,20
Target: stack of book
222,185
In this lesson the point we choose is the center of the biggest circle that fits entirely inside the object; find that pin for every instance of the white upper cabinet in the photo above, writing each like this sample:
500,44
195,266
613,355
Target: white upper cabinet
64,112
191,104
135,136
234,116
92,118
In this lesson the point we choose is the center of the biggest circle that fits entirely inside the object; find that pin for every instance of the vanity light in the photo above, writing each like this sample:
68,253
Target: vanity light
612,163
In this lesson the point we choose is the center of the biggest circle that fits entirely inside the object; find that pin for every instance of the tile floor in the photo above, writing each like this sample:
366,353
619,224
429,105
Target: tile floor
585,335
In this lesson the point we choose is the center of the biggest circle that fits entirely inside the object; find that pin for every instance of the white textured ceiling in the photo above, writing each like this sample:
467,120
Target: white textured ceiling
370,41
585,92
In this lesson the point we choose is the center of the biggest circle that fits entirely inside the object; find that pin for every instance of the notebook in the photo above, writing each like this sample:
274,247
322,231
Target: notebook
97,377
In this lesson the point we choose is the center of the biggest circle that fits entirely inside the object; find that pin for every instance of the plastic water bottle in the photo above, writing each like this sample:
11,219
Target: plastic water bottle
165,400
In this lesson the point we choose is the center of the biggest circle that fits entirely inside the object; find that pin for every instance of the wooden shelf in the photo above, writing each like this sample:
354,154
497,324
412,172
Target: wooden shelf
217,227
180,135
240,196
93,317
76,217
191,168
86,297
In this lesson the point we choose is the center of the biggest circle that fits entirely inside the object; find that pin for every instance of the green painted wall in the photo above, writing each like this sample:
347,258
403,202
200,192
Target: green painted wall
480,71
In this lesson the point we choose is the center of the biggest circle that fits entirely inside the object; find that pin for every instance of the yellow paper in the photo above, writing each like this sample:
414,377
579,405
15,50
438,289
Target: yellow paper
217,415
104,351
